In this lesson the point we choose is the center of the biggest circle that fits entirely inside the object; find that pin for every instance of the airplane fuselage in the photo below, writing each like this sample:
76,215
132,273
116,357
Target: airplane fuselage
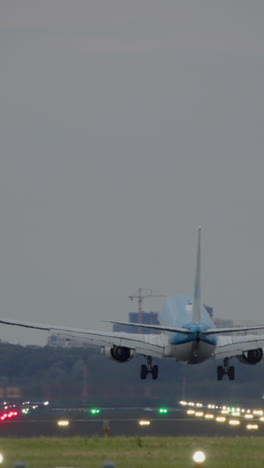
195,347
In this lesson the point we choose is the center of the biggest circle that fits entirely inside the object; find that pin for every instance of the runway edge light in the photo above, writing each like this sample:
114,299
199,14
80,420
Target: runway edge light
63,423
163,410
199,457
94,411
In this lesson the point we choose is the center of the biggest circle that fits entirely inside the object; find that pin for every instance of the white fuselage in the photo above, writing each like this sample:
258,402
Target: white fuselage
190,349
191,353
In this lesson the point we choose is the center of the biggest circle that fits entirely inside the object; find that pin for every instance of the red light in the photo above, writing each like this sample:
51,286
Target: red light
9,415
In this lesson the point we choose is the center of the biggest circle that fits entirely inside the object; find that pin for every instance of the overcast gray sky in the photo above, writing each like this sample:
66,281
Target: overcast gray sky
124,126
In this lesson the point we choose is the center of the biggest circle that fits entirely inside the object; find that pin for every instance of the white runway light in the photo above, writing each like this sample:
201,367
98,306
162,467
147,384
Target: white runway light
1,458
234,422
220,419
252,427
63,422
144,422
199,457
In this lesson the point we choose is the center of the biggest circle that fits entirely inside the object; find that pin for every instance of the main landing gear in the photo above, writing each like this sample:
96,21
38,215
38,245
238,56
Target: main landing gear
149,369
226,370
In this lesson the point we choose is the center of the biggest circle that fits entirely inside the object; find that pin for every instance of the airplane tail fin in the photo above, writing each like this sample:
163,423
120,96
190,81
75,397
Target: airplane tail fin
196,308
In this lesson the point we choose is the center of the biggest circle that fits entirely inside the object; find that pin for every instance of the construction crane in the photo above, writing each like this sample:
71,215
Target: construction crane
143,294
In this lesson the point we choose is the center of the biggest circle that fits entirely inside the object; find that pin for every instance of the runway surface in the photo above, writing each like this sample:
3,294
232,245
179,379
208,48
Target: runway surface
118,421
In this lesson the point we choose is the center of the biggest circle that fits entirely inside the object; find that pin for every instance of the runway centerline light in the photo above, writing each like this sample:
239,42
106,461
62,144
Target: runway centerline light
234,422
199,457
63,422
144,422
220,419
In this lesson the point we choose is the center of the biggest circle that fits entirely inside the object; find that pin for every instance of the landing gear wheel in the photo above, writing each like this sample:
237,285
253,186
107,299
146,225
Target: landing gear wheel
220,372
149,369
155,372
231,373
143,371
226,370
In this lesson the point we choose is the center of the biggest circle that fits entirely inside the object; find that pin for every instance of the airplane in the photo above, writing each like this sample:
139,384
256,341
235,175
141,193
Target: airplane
188,334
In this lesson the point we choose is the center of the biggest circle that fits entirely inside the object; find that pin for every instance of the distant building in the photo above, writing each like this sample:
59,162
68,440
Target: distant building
223,323
249,323
148,318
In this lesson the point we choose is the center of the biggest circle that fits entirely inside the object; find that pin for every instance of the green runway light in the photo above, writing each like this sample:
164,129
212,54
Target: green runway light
95,411
163,410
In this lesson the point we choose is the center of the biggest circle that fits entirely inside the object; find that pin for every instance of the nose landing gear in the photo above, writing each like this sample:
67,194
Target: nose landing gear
226,370
149,369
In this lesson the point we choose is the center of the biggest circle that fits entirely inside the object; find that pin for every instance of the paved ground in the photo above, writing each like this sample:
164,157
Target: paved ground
122,422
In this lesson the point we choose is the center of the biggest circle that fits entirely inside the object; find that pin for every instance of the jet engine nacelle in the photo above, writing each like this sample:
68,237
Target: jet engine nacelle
119,353
254,356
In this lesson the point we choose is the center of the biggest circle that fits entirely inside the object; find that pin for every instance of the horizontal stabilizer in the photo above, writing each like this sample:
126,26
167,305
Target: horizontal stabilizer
213,331
184,331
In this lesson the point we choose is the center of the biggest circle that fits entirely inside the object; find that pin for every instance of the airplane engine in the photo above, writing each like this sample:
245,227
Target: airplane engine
254,356
119,353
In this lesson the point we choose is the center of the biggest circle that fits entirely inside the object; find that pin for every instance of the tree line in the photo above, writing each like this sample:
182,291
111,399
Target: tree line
85,375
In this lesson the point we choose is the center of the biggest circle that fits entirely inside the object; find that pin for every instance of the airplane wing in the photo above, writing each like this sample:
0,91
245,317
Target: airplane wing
149,345
231,346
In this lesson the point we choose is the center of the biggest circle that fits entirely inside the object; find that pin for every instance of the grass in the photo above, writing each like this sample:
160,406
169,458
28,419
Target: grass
134,452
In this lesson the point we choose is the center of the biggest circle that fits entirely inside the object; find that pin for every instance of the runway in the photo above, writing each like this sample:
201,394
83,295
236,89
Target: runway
120,422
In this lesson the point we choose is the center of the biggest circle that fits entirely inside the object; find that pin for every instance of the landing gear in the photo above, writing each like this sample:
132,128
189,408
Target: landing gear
226,370
143,372
155,372
220,372
231,373
149,369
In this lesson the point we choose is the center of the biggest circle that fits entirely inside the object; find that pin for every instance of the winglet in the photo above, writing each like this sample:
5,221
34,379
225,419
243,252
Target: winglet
196,309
